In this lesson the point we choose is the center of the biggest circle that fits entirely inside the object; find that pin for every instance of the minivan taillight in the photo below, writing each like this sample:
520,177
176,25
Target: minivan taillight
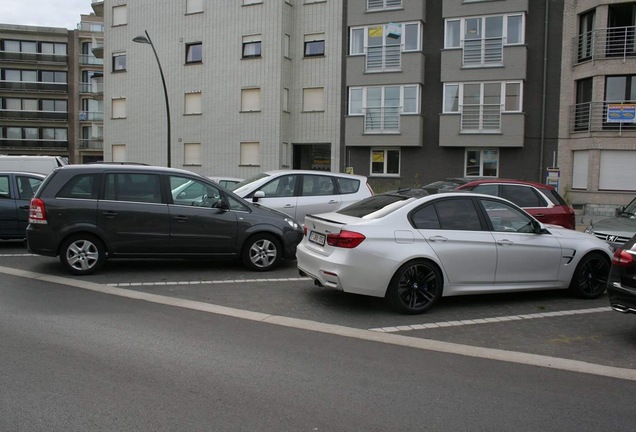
345,239
37,211
622,258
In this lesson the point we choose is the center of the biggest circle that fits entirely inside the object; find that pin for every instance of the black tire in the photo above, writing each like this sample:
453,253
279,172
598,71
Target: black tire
590,277
415,287
82,254
262,252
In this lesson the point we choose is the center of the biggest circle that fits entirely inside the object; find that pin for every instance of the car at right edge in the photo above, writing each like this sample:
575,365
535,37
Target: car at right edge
540,200
415,250
621,284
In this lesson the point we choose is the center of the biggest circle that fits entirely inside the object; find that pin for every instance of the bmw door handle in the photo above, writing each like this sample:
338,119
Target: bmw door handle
288,206
505,242
438,238
332,202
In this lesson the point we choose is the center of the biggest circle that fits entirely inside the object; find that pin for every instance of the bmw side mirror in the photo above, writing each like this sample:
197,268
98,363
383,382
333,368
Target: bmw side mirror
538,227
257,195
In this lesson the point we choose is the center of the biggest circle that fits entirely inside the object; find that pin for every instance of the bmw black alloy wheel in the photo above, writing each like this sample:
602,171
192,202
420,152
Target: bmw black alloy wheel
415,287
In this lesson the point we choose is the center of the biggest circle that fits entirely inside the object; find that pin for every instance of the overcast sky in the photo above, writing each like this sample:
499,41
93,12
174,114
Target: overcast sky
45,13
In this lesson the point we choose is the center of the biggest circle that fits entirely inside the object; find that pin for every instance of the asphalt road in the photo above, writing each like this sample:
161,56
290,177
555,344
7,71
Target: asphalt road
212,346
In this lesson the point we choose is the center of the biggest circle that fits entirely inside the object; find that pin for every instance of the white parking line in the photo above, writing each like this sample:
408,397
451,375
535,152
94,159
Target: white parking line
441,324
18,255
338,330
229,281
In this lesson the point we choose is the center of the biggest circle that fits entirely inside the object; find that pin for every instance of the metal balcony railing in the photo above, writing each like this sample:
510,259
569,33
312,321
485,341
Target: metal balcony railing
90,59
22,57
608,43
482,51
32,144
34,86
388,58
88,26
94,87
91,116
478,118
34,115
382,120
95,143
593,117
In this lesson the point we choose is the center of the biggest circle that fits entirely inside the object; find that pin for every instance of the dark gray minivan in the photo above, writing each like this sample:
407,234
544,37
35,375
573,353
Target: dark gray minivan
86,213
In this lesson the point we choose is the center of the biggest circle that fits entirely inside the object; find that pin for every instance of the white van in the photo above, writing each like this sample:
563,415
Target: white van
35,164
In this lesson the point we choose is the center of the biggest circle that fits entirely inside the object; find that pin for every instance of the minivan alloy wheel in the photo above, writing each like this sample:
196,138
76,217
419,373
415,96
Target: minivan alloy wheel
82,254
262,252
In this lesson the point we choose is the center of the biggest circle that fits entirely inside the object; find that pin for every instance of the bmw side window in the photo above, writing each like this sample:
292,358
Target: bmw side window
458,214
347,186
523,196
4,187
425,218
81,186
505,218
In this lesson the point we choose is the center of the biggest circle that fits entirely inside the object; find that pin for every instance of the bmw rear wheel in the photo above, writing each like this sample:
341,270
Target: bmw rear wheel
262,252
82,254
415,287
590,277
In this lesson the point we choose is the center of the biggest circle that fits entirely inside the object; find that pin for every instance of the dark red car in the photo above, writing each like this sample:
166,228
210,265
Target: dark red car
540,200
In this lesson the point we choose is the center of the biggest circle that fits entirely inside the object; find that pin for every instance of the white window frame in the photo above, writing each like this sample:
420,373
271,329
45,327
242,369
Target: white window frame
503,94
365,37
363,99
580,169
250,99
193,103
192,153
250,40
250,153
120,15
385,159
119,108
386,4
310,94
119,153
482,152
194,6
315,37
462,29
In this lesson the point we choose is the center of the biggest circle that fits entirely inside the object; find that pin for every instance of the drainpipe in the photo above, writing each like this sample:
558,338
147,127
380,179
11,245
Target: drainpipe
544,96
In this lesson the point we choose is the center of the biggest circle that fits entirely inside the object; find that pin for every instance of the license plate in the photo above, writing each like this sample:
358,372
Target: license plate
318,238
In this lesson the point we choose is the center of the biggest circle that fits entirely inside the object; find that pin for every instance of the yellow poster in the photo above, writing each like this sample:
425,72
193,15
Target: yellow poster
378,157
375,32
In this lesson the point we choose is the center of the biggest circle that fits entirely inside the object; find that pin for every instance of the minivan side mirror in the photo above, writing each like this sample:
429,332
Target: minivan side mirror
618,211
257,195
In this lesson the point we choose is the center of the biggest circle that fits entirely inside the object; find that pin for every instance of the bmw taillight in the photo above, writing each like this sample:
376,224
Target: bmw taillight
37,211
305,230
622,258
345,239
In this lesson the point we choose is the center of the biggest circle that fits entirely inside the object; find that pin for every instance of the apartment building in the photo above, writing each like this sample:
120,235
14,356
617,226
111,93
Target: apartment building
250,85
35,83
597,146
451,89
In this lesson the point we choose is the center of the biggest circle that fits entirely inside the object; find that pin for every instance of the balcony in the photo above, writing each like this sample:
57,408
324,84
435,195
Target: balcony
384,59
30,86
91,116
480,118
383,120
32,144
482,52
34,115
90,59
98,8
23,57
95,143
602,117
605,44
92,27
94,88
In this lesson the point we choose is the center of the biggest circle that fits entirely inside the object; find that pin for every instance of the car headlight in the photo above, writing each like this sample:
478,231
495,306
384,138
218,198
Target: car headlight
292,223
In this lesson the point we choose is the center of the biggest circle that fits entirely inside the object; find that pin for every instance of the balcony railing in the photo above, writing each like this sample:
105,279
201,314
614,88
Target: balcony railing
383,4
94,143
91,116
95,87
481,118
34,115
382,120
388,58
22,57
32,144
88,26
593,117
483,51
90,59
34,86
609,43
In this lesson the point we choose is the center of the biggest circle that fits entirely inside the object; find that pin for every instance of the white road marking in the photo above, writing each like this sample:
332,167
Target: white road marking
333,329
18,255
488,320
229,281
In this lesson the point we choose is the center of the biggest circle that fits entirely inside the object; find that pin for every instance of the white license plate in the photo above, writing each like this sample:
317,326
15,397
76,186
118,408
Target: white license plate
318,238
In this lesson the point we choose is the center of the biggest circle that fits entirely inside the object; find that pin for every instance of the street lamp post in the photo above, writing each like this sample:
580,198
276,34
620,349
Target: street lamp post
146,40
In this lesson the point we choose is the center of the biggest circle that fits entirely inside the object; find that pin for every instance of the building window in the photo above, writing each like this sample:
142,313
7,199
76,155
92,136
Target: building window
251,2
194,52
252,46
53,48
120,15
194,6
314,99
119,108
385,161
580,163
19,75
53,77
250,99
286,47
250,153
286,100
383,4
388,100
284,155
481,163
59,105
314,45
192,103
384,44
119,62
192,154
19,46
119,153
482,38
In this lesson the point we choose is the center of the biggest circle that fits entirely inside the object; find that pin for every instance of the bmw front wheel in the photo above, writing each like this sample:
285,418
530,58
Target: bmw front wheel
590,277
